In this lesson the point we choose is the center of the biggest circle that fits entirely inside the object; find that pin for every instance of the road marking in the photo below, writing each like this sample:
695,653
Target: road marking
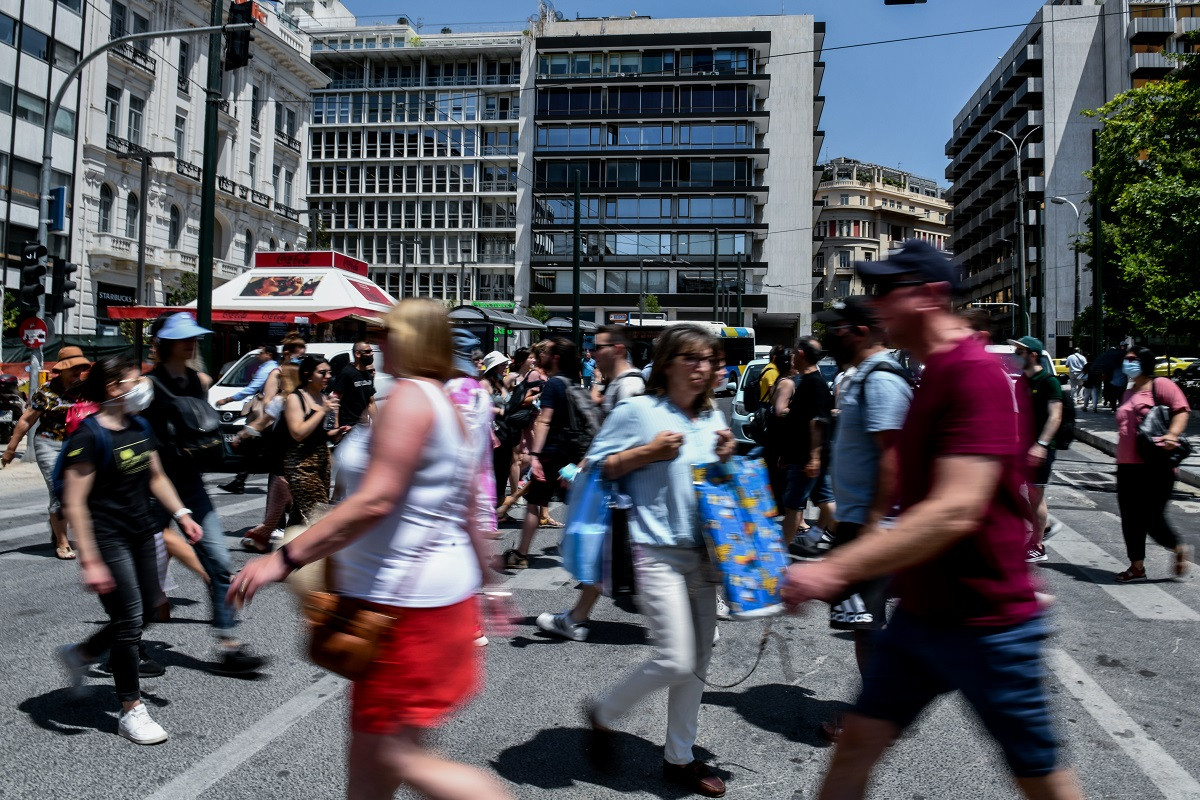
1143,600
24,511
1187,506
1170,778
225,759
1063,495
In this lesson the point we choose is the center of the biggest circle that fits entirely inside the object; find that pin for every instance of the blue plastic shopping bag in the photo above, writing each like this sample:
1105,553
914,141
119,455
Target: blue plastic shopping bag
744,543
588,518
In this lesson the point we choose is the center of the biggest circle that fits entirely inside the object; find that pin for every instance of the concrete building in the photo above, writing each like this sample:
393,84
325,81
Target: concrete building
682,131
1070,57
413,162
39,43
865,210
151,97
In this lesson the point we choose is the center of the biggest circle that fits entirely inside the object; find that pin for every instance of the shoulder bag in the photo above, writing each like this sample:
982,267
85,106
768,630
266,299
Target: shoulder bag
1152,428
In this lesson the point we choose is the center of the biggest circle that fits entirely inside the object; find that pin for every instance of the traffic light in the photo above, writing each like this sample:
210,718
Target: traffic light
59,301
32,273
237,43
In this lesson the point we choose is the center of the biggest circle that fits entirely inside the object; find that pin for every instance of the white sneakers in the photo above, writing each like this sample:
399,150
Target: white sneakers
136,726
73,665
562,625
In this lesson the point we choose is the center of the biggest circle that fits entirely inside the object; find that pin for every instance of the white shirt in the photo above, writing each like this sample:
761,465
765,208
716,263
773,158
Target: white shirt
419,555
1075,363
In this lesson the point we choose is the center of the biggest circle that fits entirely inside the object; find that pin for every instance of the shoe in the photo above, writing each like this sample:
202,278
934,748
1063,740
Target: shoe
1051,529
73,664
514,560
695,777
804,547
233,487
277,536
1130,575
600,744
1036,555
238,661
562,625
830,731
722,609
136,726
147,666
480,639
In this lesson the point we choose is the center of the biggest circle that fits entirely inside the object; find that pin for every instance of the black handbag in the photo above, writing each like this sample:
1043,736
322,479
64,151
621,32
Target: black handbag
1153,427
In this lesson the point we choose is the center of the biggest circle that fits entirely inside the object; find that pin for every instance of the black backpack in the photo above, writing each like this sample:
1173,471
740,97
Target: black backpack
192,429
1066,428
517,417
583,421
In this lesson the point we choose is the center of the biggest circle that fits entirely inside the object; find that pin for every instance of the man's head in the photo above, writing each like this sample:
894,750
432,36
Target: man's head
980,320
363,354
910,289
612,350
851,329
1029,350
561,358
807,353
267,353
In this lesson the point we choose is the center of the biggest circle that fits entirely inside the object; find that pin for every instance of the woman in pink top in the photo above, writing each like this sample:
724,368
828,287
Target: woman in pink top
1143,489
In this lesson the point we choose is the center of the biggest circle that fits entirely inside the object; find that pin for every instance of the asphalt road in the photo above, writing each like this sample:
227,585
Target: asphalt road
1121,667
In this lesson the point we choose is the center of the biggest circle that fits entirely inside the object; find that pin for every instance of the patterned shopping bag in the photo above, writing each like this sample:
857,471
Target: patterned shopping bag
742,540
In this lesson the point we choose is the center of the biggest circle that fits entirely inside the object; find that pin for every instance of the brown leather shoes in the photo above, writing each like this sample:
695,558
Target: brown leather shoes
695,777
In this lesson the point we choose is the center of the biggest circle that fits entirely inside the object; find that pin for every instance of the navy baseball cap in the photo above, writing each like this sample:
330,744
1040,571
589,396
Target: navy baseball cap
916,261
854,310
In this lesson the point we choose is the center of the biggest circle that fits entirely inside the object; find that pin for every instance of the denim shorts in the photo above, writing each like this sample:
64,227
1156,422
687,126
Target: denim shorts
998,670
801,488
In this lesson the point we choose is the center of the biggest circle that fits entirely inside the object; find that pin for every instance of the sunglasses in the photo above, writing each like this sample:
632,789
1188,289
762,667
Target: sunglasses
693,361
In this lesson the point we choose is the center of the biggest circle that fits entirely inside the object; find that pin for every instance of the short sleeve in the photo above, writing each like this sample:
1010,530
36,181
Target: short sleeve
1055,389
981,411
888,397
1170,394
621,431
80,448
554,394
40,401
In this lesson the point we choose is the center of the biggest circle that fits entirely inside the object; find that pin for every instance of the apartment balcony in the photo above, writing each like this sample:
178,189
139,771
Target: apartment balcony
1189,24
183,84
179,260
492,114
122,146
495,258
128,52
226,185
118,248
290,142
187,169
1150,30
260,198
497,222
497,186
498,150
227,270
1149,65
287,213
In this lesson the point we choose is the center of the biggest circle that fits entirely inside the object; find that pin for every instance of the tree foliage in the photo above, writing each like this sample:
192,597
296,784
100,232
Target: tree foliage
539,312
185,290
653,306
1146,186
10,311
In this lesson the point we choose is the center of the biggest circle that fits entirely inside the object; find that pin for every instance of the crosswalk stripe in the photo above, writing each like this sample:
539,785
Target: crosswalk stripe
1063,495
24,511
1145,601
1148,755
544,579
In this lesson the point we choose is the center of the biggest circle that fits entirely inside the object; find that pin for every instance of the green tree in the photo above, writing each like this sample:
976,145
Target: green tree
185,290
1146,186
10,312
539,312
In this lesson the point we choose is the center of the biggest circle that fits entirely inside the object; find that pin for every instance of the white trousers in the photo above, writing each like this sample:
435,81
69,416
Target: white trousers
1076,387
678,596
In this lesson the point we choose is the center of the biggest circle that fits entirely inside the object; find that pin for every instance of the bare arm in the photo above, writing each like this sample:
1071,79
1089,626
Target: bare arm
293,414
783,397
26,422
77,485
888,477
1052,421
541,429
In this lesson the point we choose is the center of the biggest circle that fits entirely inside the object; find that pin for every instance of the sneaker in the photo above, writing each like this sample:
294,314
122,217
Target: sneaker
1051,529
562,625
480,639
73,664
277,536
1036,555
696,777
238,661
136,726
810,547
147,667
722,609
514,560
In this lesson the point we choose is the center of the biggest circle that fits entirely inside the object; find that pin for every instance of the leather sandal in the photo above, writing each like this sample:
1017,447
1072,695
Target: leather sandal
1130,575
696,777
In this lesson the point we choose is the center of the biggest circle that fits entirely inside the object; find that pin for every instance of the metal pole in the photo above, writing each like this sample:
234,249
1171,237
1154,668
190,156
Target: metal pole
462,269
1019,294
642,287
1097,264
741,315
138,294
716,263
208,182
576,334
403,266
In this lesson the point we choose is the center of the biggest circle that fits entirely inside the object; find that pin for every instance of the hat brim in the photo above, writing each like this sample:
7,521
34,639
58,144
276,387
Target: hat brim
880,271
74,361
831,315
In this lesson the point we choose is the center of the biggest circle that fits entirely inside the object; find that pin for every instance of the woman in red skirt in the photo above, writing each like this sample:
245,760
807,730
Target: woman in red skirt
406,543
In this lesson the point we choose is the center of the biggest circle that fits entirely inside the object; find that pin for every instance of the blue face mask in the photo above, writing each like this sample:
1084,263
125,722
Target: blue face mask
1131,368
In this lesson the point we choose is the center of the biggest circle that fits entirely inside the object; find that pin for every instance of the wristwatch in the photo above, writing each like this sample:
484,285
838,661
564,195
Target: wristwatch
1043,444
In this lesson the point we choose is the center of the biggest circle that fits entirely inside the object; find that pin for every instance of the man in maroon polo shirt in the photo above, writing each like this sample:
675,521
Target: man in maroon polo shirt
968,619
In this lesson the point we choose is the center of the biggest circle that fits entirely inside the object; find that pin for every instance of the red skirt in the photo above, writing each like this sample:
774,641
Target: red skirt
426,668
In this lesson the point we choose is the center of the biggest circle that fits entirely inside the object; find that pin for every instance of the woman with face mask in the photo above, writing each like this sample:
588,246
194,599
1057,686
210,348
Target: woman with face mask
110,470
1143,489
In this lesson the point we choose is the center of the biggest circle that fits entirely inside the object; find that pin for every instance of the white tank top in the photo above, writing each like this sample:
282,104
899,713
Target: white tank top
419,555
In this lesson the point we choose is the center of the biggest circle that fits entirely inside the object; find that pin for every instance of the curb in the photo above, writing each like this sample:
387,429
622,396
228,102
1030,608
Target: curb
1107,447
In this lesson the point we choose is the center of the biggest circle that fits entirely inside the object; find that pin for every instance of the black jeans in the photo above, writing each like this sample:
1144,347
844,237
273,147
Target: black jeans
131,560
501,466
1142,494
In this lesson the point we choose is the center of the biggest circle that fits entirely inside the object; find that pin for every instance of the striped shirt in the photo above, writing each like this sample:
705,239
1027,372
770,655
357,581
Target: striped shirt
664,501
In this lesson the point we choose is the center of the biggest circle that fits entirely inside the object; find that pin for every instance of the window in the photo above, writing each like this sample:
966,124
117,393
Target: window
25,182
275,174
844,200
248,248
31,108
139,24
255,105
137,110
116,20
289,178
173,229
8,30
106,209
65,58
131,216
6,98
112,109
64,122
185,64
74,5
35,43
252,168
180,137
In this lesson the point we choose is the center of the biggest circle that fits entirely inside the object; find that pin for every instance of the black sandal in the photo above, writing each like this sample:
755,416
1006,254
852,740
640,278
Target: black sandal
1130,575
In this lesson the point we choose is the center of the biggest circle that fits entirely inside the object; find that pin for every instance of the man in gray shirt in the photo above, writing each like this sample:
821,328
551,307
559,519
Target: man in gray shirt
872,404
623,380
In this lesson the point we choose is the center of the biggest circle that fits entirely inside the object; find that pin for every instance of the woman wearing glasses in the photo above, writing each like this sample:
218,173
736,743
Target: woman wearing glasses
649,444
306,459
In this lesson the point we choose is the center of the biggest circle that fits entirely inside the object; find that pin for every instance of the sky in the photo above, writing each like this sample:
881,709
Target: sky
890,104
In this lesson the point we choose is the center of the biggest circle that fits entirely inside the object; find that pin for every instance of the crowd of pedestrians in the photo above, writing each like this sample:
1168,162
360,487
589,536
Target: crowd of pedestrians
930,498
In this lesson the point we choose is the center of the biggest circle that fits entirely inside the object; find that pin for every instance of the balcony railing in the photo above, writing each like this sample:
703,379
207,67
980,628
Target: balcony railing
260,198
290,142
495,258
184,84
498,150
287,213
497,186
254,124
180,259
497,222
187,169
494,114
223,105
135,56
123,146
226,185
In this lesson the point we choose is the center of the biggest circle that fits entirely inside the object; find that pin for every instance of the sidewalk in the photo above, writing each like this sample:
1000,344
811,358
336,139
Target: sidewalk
19,476
1098,429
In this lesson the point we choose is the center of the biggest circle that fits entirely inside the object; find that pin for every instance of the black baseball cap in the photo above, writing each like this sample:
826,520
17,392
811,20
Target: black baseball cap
916,261
854,310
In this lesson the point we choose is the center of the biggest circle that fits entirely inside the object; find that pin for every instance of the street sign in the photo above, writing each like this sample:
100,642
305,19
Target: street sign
32,331
617,318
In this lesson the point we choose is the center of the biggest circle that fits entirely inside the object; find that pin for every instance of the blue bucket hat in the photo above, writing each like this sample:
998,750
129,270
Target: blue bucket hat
465,343
181,325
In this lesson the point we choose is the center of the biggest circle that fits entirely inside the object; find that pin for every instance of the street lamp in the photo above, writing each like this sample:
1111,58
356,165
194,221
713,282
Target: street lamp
1058,201
642,277
1020,293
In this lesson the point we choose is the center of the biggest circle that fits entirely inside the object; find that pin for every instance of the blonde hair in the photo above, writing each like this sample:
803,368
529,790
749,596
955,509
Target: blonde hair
418,342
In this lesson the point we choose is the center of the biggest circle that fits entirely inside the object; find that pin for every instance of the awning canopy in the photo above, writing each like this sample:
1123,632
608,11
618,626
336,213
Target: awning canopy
494,316
565,324
292,295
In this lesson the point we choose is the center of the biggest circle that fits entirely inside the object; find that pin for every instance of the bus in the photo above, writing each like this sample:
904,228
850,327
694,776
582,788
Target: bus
736,342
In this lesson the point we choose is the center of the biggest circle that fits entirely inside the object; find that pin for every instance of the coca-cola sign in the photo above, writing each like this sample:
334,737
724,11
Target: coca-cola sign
310,259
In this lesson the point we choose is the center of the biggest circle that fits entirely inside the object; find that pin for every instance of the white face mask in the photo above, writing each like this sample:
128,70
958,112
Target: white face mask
137,399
